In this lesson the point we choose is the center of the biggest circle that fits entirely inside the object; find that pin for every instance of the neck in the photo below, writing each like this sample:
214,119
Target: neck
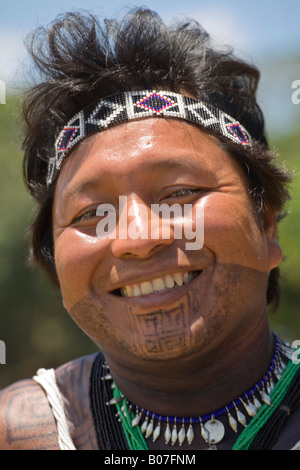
197,384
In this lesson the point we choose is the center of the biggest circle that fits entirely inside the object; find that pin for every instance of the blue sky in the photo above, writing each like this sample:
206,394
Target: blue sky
263,26
260,30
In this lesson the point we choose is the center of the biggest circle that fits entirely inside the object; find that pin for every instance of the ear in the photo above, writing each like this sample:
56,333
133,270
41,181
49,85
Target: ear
270,228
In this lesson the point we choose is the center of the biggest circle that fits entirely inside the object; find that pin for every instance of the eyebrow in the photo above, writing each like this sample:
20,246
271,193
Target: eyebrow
150,167
172,164
79,189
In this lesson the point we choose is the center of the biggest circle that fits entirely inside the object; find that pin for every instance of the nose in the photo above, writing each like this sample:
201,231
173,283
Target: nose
140,234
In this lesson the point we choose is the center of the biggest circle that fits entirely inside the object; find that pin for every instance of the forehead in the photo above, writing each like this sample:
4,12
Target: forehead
154,144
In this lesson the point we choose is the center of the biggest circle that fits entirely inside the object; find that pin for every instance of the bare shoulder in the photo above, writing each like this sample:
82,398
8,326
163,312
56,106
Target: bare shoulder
77,369
26,421
26,418
73,380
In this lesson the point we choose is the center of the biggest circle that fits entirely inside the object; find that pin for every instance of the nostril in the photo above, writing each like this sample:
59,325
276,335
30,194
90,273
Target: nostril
141,248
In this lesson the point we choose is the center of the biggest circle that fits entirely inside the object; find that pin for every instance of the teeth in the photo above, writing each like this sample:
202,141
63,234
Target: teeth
169,281
128,291
157,285
136,291
146,287
178,278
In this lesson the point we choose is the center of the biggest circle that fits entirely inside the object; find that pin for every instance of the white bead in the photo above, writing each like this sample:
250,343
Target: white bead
167,434
266,398
190,434
107,377
241,418
256,403
174,434
136,420
181,435
114,400
204,433
250,409
144,425
149,429
156,432
232,422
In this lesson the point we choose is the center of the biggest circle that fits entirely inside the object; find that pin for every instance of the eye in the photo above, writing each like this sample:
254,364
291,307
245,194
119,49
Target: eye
185,192
85,216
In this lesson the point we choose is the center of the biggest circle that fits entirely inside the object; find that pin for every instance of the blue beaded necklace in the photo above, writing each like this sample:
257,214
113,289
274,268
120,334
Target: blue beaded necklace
212,430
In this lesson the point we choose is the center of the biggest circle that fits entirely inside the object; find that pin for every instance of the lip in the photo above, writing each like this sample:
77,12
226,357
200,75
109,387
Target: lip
155,299
142,276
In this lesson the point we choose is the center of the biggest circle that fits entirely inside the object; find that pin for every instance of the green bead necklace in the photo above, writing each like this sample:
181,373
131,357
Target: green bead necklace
136,440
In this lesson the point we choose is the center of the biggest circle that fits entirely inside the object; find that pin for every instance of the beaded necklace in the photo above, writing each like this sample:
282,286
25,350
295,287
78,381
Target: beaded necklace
259,403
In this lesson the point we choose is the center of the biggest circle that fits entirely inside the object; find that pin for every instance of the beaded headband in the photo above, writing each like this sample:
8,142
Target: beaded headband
134,105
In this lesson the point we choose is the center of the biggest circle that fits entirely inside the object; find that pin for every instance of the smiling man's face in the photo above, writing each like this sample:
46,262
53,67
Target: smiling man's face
151,298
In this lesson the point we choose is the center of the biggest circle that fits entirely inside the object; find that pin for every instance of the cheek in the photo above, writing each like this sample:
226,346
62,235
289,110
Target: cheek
232,233
91,315
76,258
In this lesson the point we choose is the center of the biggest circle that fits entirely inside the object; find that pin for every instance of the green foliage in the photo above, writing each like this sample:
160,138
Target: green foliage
287,320
35,327
33,323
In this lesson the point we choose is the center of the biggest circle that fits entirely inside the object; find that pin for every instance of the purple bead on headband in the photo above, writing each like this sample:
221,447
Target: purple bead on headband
135,105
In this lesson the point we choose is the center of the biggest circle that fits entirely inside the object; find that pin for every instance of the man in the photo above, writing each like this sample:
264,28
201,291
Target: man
131,118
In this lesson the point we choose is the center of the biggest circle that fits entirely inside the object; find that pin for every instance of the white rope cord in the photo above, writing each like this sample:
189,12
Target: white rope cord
46,379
